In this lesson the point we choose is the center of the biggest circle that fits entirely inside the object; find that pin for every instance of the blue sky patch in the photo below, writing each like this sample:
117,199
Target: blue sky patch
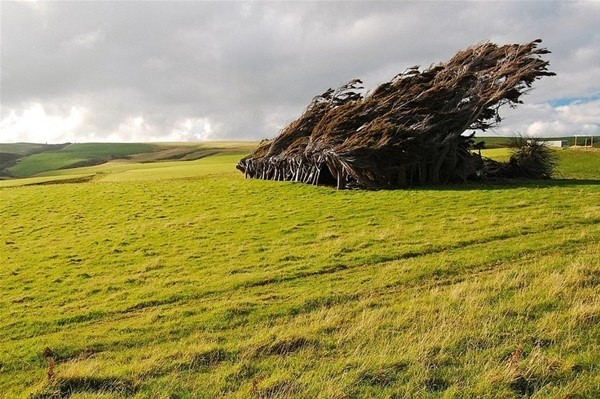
559,102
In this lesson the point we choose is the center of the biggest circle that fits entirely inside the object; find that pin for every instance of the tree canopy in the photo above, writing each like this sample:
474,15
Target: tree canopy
409,130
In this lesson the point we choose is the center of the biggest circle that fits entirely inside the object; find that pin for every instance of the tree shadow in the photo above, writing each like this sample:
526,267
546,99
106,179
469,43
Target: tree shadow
509,184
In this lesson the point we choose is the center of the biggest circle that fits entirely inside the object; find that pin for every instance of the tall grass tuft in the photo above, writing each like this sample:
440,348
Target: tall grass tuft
531,158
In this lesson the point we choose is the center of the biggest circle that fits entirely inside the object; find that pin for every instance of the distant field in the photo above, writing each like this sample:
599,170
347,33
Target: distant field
499,142
572,163
127,171
76,155
11,153
28,148
39,159
182,279
579,163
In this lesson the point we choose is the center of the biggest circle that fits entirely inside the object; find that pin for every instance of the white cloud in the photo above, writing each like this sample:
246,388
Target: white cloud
583,113
543,120
192,129
35,124
86,40
36,5
133,127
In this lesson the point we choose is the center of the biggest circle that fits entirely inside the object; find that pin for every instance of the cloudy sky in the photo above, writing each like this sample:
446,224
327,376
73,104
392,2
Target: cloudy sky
192,71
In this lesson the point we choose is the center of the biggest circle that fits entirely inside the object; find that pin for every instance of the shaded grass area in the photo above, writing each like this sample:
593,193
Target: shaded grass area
215,286
73,178
68,387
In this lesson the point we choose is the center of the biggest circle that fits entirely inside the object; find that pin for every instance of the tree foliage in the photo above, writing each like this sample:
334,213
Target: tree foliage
409,130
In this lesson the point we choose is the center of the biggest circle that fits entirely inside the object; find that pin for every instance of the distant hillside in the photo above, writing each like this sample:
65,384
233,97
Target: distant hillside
10,153
26,159
75,155
25,149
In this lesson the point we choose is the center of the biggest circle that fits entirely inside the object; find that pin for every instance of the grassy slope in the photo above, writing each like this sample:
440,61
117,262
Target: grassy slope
74,154
121,170
53,163
193,151
11,153
209,286
25,149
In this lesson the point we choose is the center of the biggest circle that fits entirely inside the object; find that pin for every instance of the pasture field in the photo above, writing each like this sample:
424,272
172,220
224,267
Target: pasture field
492,142
25,149
184,280
579,163
74,155
125,170
44,160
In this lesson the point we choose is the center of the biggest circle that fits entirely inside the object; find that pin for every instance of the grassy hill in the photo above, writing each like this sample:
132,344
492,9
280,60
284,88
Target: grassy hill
184,280
11,153
24,149
75,155
26,160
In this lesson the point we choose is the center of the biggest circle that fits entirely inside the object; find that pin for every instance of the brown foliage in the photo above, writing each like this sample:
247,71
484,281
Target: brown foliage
407,131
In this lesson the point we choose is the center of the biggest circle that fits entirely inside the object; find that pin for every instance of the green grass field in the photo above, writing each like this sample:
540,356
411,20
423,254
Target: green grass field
75,155
25,149
184,280
502,142
39,160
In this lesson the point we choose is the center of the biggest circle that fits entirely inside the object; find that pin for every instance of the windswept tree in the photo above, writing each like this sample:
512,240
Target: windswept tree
409,130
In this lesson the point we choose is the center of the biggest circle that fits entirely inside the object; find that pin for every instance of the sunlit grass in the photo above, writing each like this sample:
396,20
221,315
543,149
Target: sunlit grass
579,163
123,170
184,280
498,154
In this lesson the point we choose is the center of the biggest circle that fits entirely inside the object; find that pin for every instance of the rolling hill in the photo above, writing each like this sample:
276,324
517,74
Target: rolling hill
26,160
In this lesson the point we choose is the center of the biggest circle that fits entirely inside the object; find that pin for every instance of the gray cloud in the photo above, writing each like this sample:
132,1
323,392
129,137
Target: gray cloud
136,71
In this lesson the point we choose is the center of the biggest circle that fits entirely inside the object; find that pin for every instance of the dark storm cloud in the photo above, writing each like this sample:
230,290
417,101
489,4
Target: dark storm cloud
195,70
